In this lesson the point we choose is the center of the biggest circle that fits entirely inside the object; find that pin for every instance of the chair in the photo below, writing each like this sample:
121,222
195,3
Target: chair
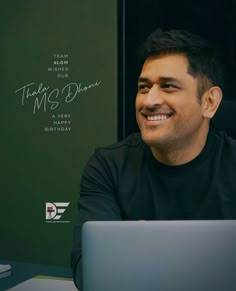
224,118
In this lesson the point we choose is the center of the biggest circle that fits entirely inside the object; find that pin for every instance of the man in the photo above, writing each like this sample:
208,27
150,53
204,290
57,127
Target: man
176,168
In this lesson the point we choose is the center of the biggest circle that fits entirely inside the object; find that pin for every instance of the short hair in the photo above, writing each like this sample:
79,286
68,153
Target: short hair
204,59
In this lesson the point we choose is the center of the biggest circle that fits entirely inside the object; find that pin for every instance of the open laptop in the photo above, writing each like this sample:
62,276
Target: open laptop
159,256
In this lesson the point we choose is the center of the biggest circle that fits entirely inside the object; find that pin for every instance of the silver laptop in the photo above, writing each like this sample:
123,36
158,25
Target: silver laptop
159,256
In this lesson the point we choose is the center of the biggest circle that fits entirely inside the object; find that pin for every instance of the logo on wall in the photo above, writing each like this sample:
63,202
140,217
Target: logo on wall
55,211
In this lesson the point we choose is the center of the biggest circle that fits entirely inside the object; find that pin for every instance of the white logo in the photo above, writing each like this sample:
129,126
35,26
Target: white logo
54,210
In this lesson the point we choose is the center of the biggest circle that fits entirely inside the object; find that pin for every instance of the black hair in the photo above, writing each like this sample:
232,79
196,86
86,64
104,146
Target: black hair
204,59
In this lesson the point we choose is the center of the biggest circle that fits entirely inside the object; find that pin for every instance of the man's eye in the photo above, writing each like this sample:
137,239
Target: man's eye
143,88
169,87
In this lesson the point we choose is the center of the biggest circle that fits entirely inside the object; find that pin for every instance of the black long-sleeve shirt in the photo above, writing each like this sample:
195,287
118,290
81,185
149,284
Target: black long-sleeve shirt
125,182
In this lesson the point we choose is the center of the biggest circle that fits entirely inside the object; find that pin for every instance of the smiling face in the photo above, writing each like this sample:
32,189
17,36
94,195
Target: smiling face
168,110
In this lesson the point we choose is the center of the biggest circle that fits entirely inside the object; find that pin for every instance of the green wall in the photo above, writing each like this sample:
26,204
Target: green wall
51,123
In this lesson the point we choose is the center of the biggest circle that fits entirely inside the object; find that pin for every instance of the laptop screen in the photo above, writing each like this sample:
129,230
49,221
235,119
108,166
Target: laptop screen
159,256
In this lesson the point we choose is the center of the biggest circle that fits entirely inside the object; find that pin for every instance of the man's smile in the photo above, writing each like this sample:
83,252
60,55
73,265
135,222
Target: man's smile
155,116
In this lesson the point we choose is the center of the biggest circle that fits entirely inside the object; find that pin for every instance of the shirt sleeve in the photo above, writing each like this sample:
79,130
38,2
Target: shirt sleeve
97,202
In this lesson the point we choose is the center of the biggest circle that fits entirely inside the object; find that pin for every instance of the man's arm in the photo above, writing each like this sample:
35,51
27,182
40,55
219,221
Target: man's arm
97,202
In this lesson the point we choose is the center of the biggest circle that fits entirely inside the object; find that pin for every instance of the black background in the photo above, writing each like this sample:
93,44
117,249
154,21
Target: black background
213,20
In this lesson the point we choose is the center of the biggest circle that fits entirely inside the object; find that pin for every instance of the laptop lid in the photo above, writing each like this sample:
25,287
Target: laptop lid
159,256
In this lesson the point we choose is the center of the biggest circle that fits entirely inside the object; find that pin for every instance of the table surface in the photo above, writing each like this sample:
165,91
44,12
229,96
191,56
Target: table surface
22,271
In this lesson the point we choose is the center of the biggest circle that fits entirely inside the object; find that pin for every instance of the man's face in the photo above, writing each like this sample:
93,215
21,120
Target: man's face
168,111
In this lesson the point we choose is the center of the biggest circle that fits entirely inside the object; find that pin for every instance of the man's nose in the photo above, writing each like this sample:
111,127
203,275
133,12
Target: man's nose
153,97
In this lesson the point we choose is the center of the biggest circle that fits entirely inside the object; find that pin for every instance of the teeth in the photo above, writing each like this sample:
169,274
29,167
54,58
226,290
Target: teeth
157,117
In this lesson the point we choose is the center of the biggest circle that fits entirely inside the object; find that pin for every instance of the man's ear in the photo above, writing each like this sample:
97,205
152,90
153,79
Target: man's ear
211,101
